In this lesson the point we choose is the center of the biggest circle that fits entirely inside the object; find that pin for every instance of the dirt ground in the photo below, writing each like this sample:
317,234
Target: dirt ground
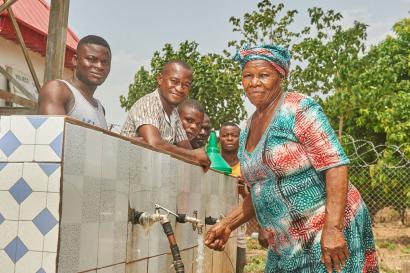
393,246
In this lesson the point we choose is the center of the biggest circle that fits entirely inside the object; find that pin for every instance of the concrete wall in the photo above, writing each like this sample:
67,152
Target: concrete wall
81,224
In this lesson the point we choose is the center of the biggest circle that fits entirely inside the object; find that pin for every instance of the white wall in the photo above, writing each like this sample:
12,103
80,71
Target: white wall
12,55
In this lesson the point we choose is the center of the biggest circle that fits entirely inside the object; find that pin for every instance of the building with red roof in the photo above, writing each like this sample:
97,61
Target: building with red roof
32,17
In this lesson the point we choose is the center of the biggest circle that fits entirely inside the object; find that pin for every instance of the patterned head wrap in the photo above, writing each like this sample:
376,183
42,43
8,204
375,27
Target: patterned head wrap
277,56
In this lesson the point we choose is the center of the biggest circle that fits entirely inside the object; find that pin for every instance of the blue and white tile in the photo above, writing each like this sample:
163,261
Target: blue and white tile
53,204
30,235
9,143
7,265
24,152
3,156
16,249
29,262
51,240
23,130
46,153
8,231
20,190
35,177
36,121
54,179
49,130
4,125
9,208
32,205
49,262
45,221
5,140
9,174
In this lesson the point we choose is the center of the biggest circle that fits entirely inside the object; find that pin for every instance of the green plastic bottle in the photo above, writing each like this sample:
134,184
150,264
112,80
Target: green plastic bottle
217,161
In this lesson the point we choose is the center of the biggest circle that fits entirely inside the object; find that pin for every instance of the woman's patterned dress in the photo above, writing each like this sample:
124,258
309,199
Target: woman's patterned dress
286,175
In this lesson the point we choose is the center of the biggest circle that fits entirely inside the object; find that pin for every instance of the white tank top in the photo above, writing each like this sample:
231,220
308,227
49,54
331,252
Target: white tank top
83,110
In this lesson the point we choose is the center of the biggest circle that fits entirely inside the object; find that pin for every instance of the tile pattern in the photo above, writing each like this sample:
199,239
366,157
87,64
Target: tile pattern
94,219
31,138
29,205
29,193
103,176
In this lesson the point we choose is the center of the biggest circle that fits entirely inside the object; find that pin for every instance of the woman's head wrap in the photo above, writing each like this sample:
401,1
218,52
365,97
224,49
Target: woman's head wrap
278,56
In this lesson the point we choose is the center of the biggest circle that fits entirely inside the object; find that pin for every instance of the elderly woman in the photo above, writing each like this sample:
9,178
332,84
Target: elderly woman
291,159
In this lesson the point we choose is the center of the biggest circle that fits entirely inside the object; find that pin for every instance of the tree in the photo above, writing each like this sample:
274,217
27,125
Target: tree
216,82
381,92
381,95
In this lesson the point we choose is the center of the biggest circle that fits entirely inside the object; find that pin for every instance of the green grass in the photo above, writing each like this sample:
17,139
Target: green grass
256,265
405,249
253,244
388,245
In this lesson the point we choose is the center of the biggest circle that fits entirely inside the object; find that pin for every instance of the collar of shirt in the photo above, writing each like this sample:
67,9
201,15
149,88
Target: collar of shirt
174,114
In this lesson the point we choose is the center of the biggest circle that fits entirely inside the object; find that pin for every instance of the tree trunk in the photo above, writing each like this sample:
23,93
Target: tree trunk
340,131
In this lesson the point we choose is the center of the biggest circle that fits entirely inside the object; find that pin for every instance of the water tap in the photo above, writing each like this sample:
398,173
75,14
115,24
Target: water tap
147,219
196,223
212,221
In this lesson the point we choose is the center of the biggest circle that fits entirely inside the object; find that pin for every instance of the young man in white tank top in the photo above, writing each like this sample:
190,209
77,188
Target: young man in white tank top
75,97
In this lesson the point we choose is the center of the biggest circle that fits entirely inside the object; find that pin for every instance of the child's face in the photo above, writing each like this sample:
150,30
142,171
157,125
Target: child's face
191,121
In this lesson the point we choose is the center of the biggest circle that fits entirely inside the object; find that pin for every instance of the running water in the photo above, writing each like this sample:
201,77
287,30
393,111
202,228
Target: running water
200,256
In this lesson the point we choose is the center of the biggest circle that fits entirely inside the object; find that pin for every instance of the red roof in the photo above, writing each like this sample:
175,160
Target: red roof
32,17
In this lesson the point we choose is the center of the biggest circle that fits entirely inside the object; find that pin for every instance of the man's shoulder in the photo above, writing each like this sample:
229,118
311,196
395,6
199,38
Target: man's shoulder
149,102
59,83
151,97
50,88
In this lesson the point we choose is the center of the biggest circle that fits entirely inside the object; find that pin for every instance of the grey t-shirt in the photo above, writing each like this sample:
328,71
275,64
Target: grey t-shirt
84,111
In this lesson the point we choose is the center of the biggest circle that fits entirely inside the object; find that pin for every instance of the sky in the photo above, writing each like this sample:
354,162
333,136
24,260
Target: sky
135,29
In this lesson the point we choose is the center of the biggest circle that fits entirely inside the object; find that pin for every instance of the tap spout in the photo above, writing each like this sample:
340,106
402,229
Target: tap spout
196,223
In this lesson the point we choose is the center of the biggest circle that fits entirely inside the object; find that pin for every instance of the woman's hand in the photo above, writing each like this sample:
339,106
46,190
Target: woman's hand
217,236
334,248
263,237
242,189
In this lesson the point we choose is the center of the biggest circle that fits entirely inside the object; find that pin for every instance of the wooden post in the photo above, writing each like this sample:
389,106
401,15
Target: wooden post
56,39
23,47
6,5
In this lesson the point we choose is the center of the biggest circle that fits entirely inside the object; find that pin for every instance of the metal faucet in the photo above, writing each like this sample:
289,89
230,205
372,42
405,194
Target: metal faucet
183,218
196,223
147,219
